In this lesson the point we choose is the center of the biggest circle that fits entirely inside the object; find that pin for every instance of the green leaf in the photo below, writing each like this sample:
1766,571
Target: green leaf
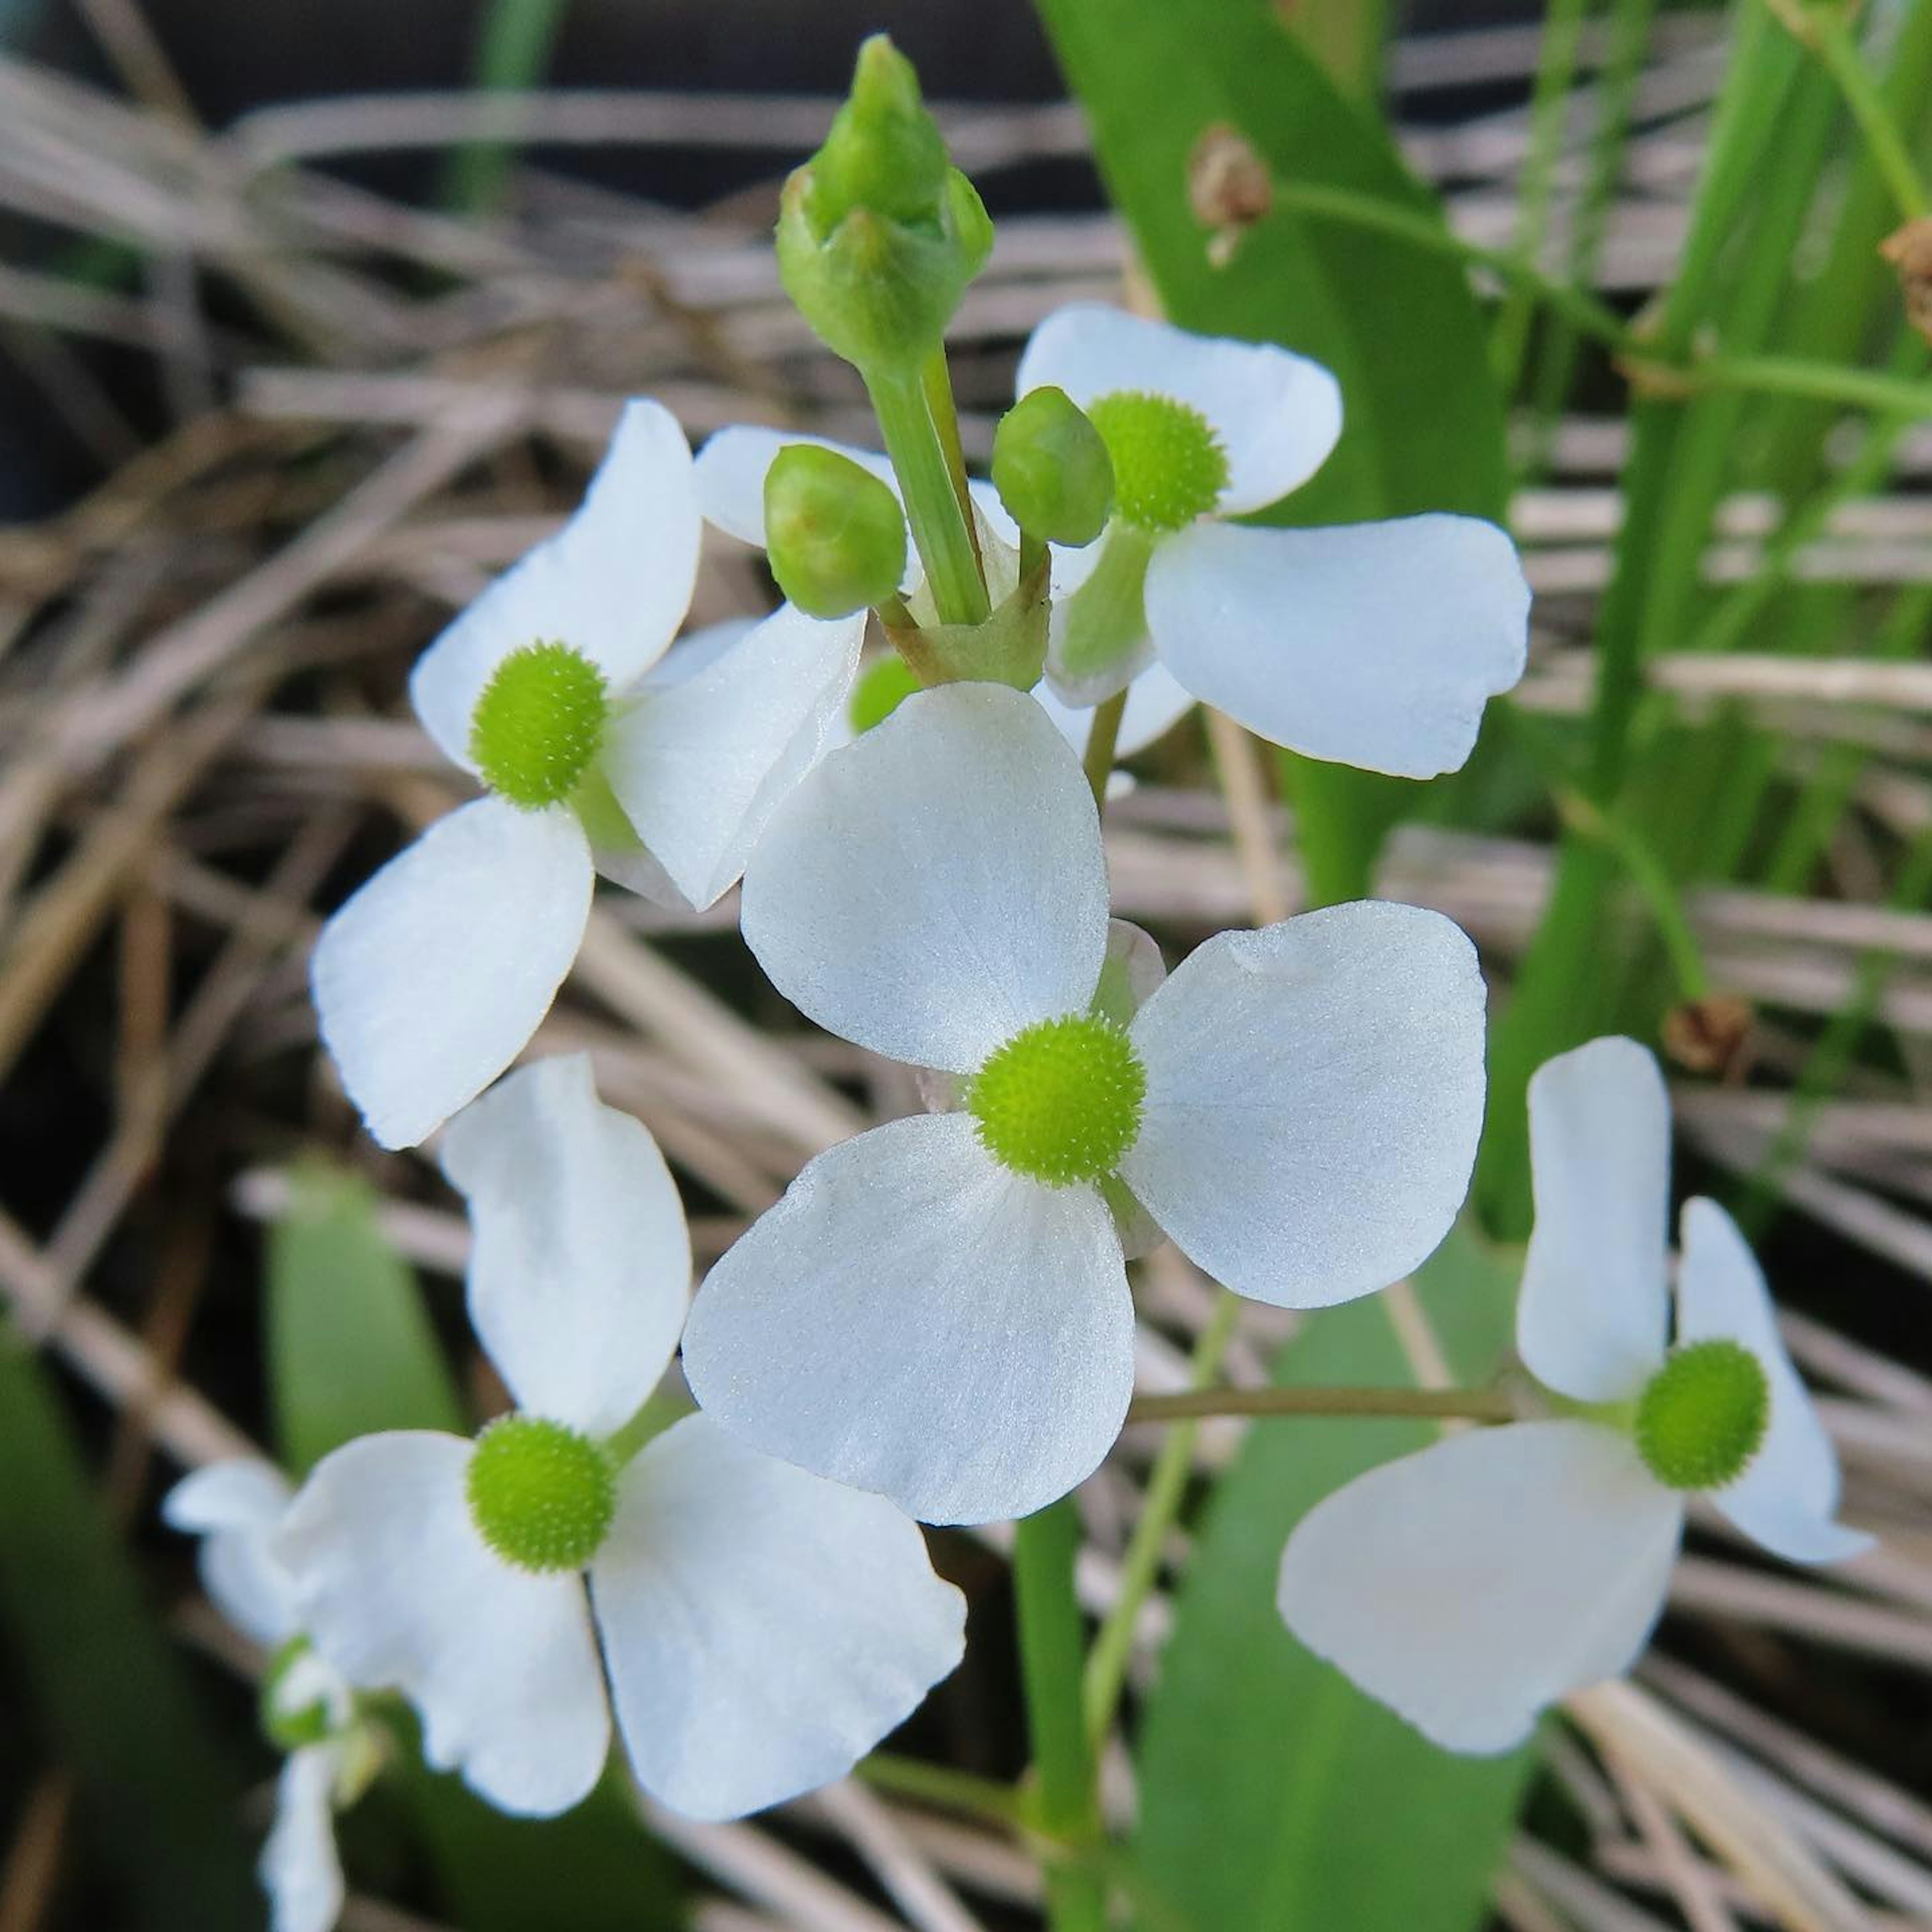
1274,1796
350,1348
105,1690
1397,324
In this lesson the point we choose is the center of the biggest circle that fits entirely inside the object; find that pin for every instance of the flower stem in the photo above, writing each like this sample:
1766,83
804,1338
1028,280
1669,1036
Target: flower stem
1044,1546
940,530
1479,1405
1829,32
940,1785
1167,1485
1103,735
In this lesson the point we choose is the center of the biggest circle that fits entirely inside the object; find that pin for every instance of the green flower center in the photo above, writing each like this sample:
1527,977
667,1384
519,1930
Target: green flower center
541,1496
1061,1101
1702,1417
539,724
1169,467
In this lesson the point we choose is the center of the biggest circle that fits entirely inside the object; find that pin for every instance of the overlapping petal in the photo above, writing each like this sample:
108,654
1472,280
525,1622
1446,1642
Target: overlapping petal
1314,1095
300,1869
613,584
913,1319
399,1590
235,1507
1787,1499
434,976
1371,644
580,1272
1595,1309
764,1628
1471,1585
938,885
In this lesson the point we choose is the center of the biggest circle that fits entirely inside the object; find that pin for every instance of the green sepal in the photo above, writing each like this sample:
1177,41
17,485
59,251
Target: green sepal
1009,648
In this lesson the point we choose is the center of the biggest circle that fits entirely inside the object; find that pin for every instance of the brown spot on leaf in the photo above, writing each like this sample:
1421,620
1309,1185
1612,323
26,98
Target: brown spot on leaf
1909,250
1229,188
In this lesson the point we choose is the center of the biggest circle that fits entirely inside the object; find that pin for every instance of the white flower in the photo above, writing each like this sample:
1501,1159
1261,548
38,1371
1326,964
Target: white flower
1471,1585
434,976
1370,644
236,1508
938,1309
761,1630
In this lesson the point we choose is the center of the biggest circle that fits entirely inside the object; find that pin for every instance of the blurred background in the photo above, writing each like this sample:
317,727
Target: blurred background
314,316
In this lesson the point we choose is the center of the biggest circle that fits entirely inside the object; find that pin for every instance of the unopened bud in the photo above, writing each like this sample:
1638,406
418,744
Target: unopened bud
835,535
1052,469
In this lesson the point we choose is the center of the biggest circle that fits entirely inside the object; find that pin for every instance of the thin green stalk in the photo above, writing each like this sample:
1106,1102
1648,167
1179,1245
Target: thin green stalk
936,379
1166,1489
1830,34
939,527
1103,735
1189,1406
1647,874
513,50
1045,1545
940,1785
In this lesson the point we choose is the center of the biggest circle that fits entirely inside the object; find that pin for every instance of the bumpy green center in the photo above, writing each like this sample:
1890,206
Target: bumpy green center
1169,467
538,725
1060,1102
541,1495
1702,1417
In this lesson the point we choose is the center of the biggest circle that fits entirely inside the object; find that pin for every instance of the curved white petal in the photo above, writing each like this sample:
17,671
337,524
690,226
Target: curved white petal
1594,1309
1787,1499
1471,1585
613,584
701,766
764,1628
731,468
1314,1094
399,1590
299,1868
580,1272
695,651
914,1319
1370,644
235,1507
1277,414
1156,703
938,885
434,976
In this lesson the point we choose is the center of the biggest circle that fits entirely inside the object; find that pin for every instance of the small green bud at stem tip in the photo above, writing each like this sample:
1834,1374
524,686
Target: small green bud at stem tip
835,535
1052,470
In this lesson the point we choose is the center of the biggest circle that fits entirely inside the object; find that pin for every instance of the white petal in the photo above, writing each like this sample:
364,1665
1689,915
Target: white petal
1594,1307
433,978
1788,1498
731,471
399,1590
299,1869
1471,1585
913,1319
580,1272
764,1628
938,885
700,768
1371,644
1277,414
696,651
235,1506
613,584
1156,703
1314,1094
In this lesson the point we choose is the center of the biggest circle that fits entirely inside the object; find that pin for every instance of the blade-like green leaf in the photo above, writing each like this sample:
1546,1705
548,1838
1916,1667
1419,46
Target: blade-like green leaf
105,1692
350,1348
1274,1796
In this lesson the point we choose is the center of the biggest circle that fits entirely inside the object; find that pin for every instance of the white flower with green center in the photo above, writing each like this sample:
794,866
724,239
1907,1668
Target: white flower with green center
1471,1585
938,1309
760,1630
434,976
308,1707
1370,644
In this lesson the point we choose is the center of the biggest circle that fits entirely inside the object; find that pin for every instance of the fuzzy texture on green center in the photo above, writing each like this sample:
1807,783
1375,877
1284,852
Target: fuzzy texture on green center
1702,1416
539,724
541,1496
1061,1102
1169,467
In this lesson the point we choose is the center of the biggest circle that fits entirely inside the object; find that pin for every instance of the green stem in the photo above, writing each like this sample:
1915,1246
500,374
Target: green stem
513,50
1647,874
1830,34
1167,1488
1103,735
940,1785
1479,1405
1045,1546
940,528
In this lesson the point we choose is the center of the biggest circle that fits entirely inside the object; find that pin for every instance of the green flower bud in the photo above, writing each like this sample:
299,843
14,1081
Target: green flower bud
1052,470
878,234
835,535
881,688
